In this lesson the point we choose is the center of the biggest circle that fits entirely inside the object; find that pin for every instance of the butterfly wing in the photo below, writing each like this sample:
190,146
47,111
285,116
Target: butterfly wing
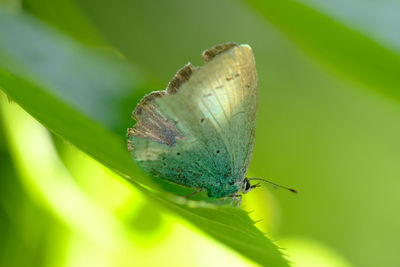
200,131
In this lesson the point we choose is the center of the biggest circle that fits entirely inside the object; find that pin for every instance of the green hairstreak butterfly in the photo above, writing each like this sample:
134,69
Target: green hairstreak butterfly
200,131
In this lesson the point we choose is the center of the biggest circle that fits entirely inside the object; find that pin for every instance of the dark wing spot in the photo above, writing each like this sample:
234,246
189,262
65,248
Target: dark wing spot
247,86
220,86
202,120
217,151
178,153
237,75
229,79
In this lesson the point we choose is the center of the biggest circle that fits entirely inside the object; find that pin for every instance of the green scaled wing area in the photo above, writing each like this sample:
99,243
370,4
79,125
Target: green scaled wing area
200,131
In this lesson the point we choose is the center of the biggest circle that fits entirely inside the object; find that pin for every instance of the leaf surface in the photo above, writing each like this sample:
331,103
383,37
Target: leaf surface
76,93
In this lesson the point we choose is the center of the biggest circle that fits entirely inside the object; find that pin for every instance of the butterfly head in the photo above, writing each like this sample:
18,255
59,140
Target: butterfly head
246,186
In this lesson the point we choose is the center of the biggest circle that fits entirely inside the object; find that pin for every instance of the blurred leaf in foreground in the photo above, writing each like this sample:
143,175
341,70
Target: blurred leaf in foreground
336,44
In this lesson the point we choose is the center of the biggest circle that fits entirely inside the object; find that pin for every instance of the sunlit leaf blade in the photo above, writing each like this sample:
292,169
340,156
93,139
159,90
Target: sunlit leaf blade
26,76
231,226
87,135
336,44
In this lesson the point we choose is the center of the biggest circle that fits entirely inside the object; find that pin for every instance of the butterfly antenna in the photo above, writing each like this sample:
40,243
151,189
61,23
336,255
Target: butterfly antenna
273,184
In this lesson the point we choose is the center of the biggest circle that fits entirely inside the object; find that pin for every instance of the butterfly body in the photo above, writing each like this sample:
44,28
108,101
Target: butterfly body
200,131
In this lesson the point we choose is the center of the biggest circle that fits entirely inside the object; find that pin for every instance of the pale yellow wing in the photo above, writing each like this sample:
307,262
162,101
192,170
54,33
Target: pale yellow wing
203,124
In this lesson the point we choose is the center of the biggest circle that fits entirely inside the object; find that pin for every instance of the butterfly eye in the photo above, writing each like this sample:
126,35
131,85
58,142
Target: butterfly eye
217,151
178,153
247,185
231,182
202,120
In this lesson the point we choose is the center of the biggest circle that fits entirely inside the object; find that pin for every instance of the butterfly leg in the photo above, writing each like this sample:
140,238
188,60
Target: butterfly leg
233,198
194,193
237,197
240,200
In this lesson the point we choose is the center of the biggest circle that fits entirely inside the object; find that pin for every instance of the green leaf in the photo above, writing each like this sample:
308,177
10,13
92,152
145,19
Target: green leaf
336,44
77,93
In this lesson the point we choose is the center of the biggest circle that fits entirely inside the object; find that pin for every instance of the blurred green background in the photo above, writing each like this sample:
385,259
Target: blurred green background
328,125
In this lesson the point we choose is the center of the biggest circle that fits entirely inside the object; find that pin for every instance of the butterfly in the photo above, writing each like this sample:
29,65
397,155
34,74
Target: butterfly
200,131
